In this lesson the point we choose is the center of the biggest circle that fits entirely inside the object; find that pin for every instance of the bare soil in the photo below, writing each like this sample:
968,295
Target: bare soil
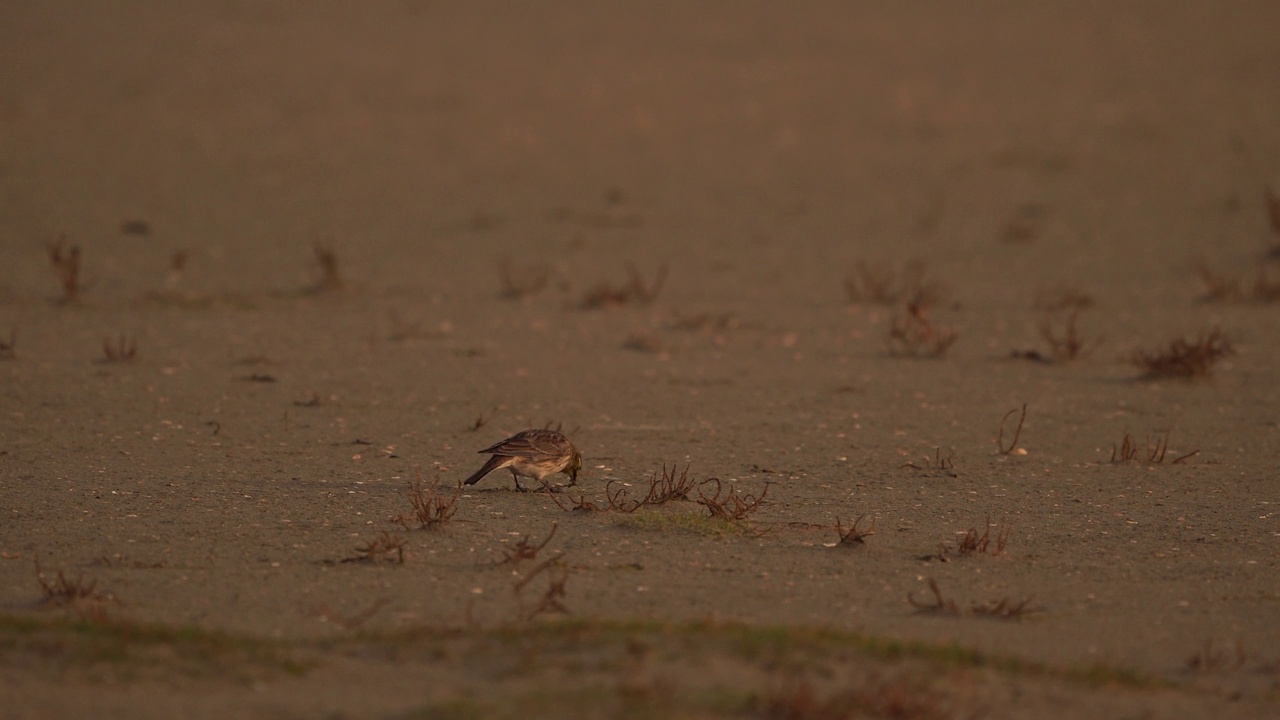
330,249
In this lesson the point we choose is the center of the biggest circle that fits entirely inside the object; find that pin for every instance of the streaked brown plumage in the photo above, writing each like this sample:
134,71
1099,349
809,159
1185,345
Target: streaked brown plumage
532,454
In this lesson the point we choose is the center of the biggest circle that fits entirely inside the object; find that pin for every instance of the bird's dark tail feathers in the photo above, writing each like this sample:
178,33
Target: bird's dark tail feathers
492,464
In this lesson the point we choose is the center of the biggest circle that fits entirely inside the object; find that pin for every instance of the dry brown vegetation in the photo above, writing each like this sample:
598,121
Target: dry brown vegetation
1221,288
525,549
330,279
1063,337
551,600
481,420
664,487
882,285
431,508
975,543
913,334
634,291
1182,358
854,536
1002,609
66,266
121,349
383,548
729,505
1127,451
75,594
937,463
1017,432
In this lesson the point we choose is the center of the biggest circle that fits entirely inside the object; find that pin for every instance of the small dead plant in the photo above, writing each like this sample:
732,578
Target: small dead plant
939,605
854,536
482,419
1128,451
1184,359
937,463
1221,288
1002,609
635,290
729,504
1017,432
525,549
913,334
330,279
123,348
973,543
384,548
65,261
668,487
1063,338
883,285
61,591
552,598
431,508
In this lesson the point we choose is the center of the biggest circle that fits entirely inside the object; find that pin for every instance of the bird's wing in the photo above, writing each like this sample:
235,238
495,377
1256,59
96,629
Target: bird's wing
530,443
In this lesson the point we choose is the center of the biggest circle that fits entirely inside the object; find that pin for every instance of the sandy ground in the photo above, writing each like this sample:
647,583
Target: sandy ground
753,155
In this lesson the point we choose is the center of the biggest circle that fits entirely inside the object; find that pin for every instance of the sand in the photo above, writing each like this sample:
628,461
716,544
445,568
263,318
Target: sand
479,172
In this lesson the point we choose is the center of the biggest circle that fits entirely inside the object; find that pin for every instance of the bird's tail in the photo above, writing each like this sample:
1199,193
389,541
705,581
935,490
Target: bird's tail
492,464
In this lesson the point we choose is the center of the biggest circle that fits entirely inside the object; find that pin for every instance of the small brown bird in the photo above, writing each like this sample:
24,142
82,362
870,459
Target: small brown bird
533,454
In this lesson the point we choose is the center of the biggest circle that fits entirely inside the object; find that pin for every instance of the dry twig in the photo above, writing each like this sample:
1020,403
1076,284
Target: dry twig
66,266
123,349
634,290
913,334
1016,433
854,536
431,510
1186,359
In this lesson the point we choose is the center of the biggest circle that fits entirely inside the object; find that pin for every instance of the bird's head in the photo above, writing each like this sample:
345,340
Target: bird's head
575,464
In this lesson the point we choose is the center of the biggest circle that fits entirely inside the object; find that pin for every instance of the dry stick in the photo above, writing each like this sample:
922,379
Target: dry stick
126,348
525,550
550,601
1128,450
1179,460
66,265
1156,454
482,420
1016,434
384,544
939,605
327,259
855,536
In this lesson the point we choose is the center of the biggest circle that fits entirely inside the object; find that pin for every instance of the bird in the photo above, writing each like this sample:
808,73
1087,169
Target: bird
532,454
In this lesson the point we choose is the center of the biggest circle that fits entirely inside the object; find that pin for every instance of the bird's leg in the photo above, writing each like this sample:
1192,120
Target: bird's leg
516,477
